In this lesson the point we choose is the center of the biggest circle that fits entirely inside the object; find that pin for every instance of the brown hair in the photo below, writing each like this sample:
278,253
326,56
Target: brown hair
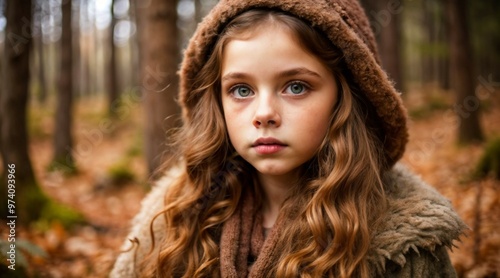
339,199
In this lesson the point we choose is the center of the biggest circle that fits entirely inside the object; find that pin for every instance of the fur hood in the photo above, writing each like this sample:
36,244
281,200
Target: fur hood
347,27
418,219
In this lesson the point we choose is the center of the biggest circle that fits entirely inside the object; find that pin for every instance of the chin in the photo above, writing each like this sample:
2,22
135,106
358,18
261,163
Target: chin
273,170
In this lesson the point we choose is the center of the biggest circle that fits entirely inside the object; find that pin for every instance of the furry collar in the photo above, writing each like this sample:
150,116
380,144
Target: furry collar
417,217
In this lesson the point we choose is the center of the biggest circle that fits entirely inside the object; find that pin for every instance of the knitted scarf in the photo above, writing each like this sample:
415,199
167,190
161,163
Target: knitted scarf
244,252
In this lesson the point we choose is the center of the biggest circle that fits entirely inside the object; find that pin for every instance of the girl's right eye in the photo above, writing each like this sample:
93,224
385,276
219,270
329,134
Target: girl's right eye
240,91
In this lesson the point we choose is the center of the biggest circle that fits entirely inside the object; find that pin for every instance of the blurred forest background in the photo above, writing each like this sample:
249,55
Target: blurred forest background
87,94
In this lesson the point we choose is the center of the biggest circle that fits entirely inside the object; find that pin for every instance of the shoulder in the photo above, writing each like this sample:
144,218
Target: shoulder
138,242
418,220
422,263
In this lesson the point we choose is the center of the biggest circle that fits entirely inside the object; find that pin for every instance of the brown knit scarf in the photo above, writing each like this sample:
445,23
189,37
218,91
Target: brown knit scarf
244,252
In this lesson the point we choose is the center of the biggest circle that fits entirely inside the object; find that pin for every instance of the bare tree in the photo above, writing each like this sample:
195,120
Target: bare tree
134,46
429,40
96,44
63,157
385,20
38,42
13,106
435,58
112,83
443,59
86,44
158,34
76,64
462,73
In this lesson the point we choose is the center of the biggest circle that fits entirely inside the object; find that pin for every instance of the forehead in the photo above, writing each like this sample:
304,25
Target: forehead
268,53
262,39
248,30
262,26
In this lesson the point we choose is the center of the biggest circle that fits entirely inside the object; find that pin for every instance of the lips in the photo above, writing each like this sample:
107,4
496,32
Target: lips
267,141
268,145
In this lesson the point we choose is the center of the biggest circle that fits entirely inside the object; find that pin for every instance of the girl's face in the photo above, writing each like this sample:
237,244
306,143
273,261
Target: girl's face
277,100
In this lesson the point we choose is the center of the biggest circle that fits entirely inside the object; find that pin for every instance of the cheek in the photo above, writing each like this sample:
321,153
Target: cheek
317,132
313,125
233,125
232,130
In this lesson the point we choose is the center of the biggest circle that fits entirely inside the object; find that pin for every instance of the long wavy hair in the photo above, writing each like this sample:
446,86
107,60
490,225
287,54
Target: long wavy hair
336,204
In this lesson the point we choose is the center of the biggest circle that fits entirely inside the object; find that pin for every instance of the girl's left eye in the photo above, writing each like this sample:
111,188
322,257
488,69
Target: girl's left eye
296,88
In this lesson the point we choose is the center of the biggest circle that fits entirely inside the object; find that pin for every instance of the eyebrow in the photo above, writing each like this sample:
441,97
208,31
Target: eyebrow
234,75
298,71
286,73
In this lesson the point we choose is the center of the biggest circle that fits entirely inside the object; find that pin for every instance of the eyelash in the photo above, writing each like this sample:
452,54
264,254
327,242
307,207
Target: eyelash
232,90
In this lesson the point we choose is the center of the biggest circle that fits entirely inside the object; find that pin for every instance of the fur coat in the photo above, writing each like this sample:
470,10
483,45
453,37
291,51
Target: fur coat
418,229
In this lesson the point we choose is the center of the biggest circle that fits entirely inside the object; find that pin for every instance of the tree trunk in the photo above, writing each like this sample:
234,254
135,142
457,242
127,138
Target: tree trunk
385,21
2,78
159,58
42,95
63,157
95,79
112,84
14,100
134,46
76,55
85,49
444,58
462,74
427,48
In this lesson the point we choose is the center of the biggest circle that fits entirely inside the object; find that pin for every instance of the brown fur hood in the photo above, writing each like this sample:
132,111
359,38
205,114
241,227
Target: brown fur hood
418,218
345,24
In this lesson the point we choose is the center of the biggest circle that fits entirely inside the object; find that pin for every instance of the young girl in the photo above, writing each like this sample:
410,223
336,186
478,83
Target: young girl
287,157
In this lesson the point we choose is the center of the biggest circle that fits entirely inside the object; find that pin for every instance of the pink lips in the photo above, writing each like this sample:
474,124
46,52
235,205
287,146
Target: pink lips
268,145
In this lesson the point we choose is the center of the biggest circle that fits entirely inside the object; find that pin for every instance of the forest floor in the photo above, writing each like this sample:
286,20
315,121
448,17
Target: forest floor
105,150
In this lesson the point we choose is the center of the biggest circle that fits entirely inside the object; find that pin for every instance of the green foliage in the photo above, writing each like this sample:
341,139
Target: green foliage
121,173
35,129
136,148
30,199
433,104
35,208
37,115
65,215
486,105
436,49
22,248
489,163
61,165
34,200
484,26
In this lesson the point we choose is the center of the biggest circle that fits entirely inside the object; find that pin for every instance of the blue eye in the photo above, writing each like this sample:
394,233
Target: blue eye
241,91
296,88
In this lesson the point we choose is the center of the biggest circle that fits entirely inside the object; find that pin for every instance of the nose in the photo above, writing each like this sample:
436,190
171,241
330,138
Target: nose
266,113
